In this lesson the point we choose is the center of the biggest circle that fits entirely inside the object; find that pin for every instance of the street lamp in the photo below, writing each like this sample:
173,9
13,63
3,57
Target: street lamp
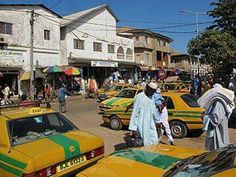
196,15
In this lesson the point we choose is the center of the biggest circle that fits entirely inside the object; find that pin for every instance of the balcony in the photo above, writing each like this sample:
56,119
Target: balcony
142,44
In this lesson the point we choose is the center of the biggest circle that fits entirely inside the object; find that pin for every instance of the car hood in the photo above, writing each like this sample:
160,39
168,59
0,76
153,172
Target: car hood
116,101
60,147
151,161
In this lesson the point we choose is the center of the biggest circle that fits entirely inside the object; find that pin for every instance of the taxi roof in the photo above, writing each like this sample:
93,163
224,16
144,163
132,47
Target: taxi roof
24,112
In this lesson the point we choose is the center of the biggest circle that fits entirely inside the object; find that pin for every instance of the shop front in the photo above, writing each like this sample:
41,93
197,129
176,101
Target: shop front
11,63
10,77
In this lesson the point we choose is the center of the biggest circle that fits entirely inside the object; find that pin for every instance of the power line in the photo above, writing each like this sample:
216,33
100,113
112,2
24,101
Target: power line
184,25
53,6
153,28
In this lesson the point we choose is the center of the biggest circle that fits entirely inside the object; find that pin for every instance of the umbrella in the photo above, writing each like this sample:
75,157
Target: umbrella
53,69
70,70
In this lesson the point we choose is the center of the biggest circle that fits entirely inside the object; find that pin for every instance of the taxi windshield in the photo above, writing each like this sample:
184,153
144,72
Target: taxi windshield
126,94
36,127
116,88
206,164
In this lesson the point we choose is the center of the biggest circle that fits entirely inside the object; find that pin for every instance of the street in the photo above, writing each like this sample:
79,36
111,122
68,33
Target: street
84,114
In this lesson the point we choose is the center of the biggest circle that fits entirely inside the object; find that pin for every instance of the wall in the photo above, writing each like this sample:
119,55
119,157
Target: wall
46,53
87,30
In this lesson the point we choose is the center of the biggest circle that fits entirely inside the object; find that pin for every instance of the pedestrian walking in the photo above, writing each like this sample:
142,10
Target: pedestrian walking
6,94
62,93
218,103
144,118
161,107
196,84
232,84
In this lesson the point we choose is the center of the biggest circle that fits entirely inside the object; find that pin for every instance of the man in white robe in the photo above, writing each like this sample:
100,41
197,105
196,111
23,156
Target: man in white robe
144,116
218,104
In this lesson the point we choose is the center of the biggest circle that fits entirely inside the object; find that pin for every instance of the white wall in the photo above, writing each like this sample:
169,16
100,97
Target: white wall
91,32
46,52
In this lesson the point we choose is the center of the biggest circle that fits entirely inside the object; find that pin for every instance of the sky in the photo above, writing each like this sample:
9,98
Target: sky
161,16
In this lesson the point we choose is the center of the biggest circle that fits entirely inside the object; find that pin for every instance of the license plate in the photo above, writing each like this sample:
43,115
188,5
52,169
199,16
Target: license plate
70,163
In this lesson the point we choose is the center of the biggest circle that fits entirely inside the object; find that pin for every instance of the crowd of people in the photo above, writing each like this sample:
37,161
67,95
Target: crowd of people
150,116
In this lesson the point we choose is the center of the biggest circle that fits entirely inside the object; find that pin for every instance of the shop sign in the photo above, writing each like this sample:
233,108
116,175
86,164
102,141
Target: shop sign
10,58
104,64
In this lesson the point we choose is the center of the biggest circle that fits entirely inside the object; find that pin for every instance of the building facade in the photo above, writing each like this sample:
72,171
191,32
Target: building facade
90,41
15,30
152,50
189,64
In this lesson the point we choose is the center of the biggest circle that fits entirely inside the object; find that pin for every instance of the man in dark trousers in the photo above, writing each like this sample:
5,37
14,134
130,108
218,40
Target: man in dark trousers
62,93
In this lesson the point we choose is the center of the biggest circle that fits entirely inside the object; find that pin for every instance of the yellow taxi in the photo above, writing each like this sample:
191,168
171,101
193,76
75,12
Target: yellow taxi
105,94
183,110
40,142
166,161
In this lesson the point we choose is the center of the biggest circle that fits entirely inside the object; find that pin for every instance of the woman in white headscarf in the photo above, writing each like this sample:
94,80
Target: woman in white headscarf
218,103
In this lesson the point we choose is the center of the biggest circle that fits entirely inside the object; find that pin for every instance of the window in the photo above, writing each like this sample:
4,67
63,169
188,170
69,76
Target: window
206,164
126,94
36,127
146,39
46,34
161,43
97,46
78,44
170,104
120,53
139,91
138,57
129,53
137,38
111,48
190,100
5,28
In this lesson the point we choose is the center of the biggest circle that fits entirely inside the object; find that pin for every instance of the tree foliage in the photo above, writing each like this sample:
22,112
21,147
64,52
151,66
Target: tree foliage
217,44
215,48
224,15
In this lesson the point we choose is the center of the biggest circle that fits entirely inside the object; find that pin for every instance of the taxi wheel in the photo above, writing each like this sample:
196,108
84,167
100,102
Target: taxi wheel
178,129
115,123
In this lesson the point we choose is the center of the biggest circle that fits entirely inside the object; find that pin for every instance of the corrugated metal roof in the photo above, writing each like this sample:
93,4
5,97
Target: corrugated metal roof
40,5
68,19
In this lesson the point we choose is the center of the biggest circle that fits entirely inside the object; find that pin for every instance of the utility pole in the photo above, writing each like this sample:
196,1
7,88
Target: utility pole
32,55
197,31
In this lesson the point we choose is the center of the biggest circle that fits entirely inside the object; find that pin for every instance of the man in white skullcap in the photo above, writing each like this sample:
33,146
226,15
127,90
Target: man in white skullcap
144,117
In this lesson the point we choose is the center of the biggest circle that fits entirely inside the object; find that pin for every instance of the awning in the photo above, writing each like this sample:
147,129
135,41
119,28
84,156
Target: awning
146,68
25,76
39,74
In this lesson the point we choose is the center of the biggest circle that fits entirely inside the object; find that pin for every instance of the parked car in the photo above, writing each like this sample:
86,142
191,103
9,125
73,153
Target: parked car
37,141
105,94
183,110
166,161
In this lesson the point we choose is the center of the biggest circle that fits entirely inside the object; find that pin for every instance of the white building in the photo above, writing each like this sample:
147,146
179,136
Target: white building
89,40
15,40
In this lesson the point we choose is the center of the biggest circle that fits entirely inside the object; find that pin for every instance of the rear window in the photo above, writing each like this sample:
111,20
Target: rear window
170,104
190,100
36,127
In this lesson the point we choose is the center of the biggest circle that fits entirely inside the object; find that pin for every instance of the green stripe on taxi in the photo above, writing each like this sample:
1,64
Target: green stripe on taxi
111,101
12,161
10,169
70,146
149,158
